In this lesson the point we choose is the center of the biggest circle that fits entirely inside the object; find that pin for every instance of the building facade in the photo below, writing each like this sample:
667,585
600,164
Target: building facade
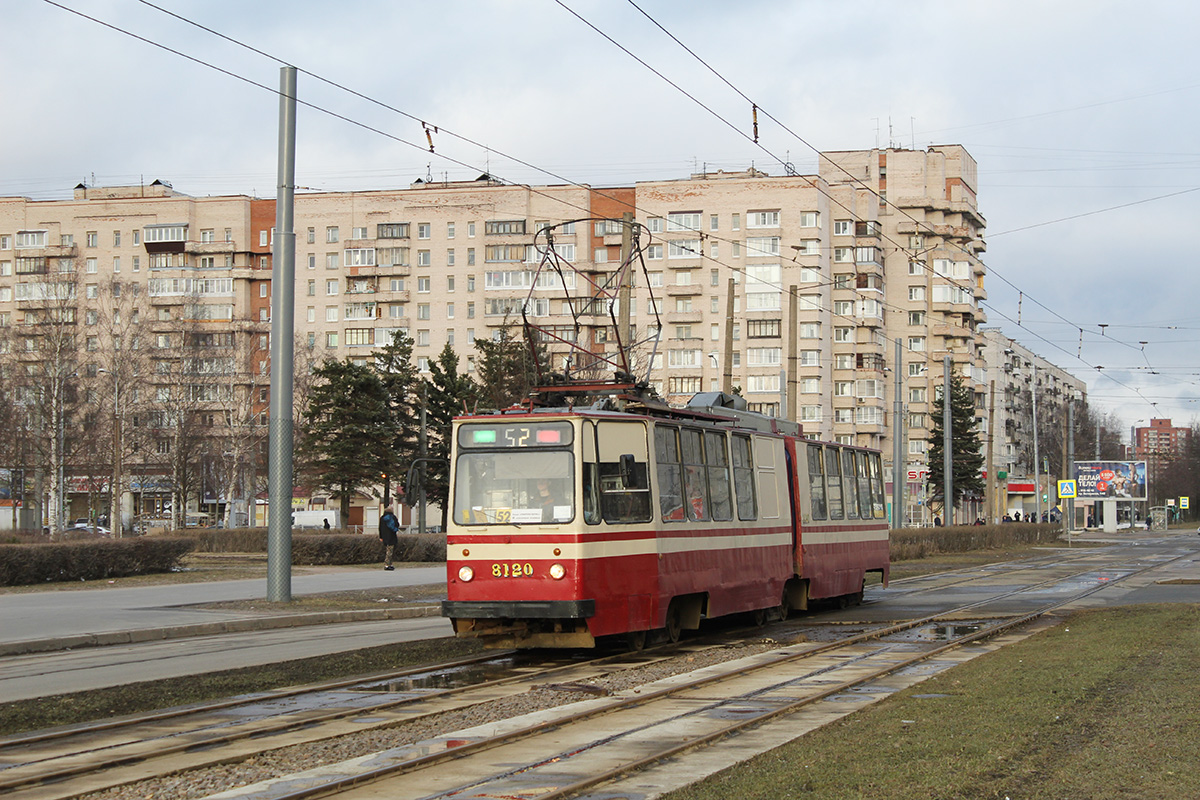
828,271
1028,437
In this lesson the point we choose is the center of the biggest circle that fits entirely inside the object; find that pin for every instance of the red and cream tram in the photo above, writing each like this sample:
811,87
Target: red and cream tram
569,525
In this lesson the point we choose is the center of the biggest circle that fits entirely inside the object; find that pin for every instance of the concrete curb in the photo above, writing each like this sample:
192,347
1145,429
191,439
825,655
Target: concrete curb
213,628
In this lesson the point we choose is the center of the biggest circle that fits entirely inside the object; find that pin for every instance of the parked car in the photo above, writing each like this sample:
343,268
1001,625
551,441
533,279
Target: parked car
82,522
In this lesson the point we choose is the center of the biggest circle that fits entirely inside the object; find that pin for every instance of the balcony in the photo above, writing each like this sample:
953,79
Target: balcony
681,317
209,248
49,251
685,290
953,332
380,271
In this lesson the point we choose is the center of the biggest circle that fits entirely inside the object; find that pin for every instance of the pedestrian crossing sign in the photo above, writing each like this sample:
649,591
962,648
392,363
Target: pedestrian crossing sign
1066,489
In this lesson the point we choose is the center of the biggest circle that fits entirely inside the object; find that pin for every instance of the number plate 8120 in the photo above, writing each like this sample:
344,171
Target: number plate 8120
512,569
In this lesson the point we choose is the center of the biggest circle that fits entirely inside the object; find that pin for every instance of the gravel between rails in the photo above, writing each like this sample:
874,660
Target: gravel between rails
275,763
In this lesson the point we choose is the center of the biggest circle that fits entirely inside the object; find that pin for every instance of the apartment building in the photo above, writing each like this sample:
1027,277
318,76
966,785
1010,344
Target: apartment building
828,271
1030,413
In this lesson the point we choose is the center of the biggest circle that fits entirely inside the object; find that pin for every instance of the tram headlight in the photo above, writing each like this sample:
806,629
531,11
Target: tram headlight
557,571
466,574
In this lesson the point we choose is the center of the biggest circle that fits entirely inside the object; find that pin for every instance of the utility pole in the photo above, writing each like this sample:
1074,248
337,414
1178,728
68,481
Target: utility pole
898,441
947,445
792,394
990,486
1069,516
727,383
423,441
625,293
283,303
1037,476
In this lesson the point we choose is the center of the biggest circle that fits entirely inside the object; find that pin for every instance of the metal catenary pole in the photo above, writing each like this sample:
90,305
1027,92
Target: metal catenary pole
283,300
947,447
898,471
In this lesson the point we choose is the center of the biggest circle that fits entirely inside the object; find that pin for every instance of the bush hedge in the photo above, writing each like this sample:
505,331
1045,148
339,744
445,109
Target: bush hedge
89,559
323,548
909,544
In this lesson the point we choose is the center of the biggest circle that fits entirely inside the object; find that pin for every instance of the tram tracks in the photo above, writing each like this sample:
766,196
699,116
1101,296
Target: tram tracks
69,762
145,752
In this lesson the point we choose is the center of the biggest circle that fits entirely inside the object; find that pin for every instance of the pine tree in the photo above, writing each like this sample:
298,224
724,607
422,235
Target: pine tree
966,456
348,430
394,364
449,394
506,368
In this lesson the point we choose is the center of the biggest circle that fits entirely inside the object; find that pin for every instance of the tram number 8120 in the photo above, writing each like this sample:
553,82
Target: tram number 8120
514,570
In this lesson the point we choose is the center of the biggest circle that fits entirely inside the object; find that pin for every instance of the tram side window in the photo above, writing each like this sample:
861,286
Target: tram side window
864,485
878,509
694,479
718,475
591,475
816,482
833,484
851,494
743,478
670,473
622,473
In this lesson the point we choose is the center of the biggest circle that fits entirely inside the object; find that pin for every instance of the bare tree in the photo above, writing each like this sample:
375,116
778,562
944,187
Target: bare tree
45,354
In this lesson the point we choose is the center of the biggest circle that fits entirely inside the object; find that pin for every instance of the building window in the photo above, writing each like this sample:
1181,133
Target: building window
358,233
331,234
684,248
423,259
500,227
331,340
683,221
761,219
331,287
422,310
424,230
93,240
916,293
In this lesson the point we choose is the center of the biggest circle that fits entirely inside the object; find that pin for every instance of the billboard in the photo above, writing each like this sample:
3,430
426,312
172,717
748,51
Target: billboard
1099,480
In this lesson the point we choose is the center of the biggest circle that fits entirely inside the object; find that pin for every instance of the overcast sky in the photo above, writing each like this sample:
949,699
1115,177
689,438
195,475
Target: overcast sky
1082,116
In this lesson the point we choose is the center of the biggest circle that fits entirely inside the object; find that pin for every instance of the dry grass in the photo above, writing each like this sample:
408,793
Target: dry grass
1102,706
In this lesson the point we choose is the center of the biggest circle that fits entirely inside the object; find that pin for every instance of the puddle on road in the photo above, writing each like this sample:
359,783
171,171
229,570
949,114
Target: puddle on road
941,632
433,680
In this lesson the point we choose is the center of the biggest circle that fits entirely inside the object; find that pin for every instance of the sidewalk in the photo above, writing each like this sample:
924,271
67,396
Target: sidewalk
38,622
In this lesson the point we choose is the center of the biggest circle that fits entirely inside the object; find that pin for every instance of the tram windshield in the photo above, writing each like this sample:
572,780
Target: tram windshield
514,487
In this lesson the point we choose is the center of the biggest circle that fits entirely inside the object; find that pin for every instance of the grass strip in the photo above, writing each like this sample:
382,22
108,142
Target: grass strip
1101,706
96,704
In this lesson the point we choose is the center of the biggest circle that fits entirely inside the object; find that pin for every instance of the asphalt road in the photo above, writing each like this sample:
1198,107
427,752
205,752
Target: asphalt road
64,613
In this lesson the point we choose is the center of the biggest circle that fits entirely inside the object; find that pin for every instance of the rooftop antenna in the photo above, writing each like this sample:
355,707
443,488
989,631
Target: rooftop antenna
912,131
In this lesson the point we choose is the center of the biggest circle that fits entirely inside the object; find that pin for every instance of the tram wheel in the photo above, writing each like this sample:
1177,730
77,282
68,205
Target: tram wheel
635,640
674,622
760,617
785,607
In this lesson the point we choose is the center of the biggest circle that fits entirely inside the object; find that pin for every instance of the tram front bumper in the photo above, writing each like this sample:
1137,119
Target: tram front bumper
524,624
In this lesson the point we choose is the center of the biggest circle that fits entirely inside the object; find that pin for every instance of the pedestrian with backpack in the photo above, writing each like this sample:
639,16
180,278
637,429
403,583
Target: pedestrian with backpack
389,526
